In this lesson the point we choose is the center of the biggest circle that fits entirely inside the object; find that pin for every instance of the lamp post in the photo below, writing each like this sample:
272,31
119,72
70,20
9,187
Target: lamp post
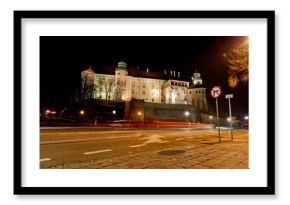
246,122
139,114
210,118
114,113
228,119
187,114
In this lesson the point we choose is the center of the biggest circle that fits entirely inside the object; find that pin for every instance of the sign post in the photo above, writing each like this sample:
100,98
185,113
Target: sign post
216,92
229,96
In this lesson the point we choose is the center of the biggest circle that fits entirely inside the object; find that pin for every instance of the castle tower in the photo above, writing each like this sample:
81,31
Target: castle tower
122,82
196,79
198,92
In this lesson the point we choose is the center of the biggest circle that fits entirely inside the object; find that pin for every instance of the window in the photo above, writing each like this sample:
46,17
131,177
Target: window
152,100
172,83
143,92
144,85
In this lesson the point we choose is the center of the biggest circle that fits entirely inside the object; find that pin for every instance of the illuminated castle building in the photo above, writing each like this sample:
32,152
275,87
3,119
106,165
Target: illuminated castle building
126,84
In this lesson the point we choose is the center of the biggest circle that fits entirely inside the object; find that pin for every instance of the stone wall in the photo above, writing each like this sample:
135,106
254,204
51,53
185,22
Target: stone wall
160,111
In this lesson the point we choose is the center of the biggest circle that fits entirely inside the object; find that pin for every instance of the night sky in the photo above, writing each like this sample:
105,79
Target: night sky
63,58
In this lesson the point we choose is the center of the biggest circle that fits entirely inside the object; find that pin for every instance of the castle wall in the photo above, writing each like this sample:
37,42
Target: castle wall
161,111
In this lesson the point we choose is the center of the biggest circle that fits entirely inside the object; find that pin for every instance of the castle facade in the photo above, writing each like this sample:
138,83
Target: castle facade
126,84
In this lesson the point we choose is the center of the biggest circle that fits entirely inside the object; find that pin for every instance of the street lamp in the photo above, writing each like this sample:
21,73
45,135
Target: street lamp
114,113
139,114
82,112
246,117
229,119
187,114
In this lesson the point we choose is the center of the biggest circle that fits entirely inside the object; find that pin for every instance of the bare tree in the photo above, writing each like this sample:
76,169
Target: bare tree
237,62
109,88
99,86
87,89
118,91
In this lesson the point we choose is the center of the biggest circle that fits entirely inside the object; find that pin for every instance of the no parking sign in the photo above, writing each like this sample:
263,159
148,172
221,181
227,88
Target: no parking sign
216,92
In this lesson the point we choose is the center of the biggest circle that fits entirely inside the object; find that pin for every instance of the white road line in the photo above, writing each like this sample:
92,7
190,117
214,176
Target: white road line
99,151
179,139
138,145
44,159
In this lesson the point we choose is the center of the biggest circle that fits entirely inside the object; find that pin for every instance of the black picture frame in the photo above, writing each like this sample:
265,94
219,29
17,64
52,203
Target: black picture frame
19,189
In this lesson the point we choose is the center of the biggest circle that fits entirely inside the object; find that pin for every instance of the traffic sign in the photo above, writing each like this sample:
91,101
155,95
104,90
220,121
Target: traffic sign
229,96
216,91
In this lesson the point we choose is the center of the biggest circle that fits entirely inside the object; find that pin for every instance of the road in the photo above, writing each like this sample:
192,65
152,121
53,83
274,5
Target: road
142,148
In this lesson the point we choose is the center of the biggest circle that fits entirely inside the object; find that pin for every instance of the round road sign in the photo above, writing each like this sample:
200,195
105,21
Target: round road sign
216,91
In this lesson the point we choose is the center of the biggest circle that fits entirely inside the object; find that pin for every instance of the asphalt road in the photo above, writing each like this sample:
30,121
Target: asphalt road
132,148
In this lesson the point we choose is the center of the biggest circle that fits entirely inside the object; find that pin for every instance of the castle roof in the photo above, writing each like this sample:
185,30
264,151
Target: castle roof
135,72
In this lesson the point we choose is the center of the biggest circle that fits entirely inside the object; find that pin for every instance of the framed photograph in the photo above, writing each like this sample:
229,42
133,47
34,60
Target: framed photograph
144,102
